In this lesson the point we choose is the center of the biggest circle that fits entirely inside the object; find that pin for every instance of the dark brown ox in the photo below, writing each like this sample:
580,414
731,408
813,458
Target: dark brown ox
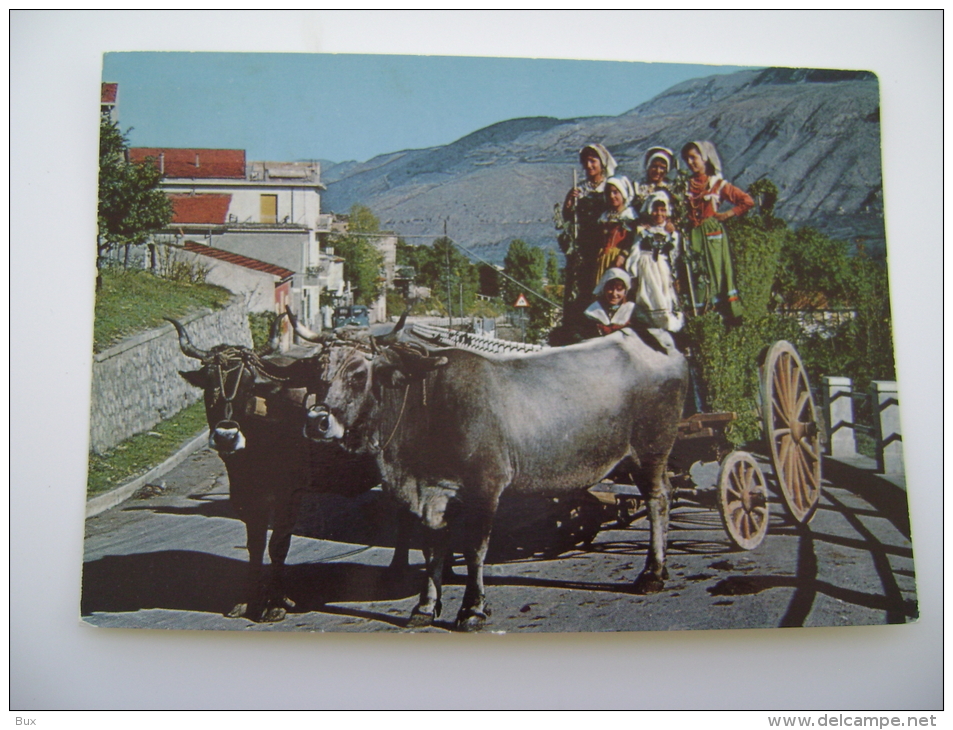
255,411
456,428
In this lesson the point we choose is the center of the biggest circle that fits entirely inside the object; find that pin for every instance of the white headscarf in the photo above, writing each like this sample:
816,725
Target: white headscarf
624,186
664,154
608,161
658,195
708,153
609,276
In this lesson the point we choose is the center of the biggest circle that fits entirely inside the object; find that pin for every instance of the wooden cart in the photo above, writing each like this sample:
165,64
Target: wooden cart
793,440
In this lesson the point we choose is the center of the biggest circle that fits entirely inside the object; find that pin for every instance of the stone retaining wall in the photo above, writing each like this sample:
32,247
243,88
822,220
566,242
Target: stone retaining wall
136,384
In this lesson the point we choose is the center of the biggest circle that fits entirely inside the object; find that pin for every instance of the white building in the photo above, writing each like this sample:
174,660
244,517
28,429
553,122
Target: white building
267,211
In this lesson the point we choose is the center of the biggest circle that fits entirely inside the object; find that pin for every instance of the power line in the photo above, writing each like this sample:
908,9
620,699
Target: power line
469,252
503,273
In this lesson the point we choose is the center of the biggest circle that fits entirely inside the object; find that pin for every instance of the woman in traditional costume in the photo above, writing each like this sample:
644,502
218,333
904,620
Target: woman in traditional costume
618,223
706,193
582,237
659,162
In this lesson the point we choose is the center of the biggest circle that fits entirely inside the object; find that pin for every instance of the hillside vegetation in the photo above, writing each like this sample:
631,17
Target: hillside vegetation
132,301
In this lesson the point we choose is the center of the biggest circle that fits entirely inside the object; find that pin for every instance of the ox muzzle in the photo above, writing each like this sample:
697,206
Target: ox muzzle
322,425
226,437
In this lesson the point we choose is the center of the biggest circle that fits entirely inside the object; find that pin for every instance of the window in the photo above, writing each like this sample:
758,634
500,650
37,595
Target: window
269,208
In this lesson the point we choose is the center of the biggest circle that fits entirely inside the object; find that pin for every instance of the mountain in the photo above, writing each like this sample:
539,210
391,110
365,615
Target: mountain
814,133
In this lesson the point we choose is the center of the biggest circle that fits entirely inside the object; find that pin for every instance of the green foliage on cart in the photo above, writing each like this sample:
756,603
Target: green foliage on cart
728,363
826,297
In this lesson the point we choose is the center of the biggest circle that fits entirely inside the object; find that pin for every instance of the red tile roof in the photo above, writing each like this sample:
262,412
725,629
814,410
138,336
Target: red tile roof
108,93
204,208
194,163
806,301
234,258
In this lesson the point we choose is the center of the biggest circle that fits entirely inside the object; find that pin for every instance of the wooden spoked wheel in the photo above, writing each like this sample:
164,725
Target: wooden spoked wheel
790,425
743,500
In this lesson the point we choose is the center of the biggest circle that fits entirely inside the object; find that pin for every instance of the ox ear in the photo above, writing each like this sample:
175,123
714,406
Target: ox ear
195,377
401,364
298,373
387,371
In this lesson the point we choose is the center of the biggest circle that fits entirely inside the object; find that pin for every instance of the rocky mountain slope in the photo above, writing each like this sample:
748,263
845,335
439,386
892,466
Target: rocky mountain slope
815,134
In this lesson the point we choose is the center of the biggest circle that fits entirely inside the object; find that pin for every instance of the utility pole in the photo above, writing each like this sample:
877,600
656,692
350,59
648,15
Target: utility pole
449,295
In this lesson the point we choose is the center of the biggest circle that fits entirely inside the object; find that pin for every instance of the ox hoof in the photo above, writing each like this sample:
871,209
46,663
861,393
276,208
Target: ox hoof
472,620
240,610
648,583
273,615
418,619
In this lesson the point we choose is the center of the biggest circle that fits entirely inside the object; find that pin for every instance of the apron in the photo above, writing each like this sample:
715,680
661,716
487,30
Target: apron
710,242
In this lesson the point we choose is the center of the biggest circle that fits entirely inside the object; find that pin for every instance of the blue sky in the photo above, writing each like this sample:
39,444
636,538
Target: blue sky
341,107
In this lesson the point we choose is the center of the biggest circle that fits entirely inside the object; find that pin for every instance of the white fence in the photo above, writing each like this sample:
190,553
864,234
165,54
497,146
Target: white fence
840,403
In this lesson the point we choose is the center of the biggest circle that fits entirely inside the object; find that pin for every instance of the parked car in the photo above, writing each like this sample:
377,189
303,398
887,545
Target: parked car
355,316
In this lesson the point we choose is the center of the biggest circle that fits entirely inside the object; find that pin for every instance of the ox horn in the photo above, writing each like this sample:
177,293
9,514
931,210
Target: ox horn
274,336
307,334
391,337
185,343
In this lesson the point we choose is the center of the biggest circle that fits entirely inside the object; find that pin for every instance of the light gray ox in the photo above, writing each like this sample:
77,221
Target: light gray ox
452,427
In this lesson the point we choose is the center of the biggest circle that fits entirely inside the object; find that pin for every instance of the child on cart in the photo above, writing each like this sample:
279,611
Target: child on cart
651,264
610,312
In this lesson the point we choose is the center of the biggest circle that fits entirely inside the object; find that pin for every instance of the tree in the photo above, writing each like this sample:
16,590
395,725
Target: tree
444,269
489,280
361,219
131,207
821,273
450,274
527,265
362,261
554,275
554,289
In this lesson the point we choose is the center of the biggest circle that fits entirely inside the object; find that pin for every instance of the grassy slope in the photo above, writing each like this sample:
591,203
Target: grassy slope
140,453
131,302
135,301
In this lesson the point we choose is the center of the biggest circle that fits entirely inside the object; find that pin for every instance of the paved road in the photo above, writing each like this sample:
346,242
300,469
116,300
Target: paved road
173,557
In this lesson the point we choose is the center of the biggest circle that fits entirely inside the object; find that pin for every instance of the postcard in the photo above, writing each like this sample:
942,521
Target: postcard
438,344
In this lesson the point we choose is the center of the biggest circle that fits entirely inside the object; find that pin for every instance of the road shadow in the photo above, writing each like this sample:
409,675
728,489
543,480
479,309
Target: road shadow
807,587
889,500
525,527
184,580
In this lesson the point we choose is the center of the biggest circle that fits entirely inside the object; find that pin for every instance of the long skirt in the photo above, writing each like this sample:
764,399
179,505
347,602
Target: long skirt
710,241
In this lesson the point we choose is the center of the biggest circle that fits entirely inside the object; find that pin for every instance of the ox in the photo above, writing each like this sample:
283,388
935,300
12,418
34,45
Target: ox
452,428
255,410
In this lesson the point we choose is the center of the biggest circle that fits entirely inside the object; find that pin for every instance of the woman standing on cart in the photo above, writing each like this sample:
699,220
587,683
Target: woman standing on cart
659,162
706,193
581,211
618,224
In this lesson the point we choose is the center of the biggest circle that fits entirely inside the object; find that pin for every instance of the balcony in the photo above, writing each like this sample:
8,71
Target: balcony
323,223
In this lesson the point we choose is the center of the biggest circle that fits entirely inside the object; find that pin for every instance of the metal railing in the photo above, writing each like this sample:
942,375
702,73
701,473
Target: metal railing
875,413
